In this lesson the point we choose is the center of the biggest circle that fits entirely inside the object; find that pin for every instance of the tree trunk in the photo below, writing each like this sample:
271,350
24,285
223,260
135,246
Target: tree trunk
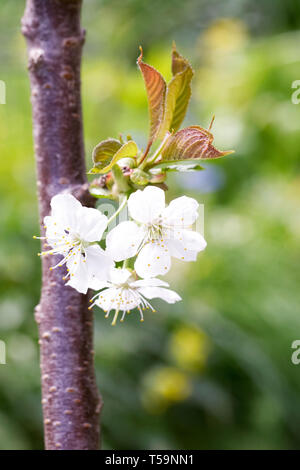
71,403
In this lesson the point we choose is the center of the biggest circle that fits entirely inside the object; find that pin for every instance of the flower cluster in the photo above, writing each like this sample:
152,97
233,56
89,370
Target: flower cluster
145,245
124,274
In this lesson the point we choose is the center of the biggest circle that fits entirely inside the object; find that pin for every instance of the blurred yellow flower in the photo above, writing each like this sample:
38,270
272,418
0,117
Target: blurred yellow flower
225,35
189,348
164,386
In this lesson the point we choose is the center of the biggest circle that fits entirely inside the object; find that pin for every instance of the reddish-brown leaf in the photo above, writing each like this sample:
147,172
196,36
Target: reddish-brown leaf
191,143
156,89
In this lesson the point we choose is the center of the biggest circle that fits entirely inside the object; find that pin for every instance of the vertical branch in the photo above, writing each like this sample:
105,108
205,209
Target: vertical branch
71,403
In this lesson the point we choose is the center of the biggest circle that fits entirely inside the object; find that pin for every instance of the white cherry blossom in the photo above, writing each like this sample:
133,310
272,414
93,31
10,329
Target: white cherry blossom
156,232
73,231
123,293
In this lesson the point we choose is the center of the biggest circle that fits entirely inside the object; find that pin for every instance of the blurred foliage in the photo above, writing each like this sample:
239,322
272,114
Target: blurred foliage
213,371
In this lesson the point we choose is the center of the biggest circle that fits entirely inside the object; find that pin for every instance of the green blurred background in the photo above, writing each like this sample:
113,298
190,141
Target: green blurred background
215,370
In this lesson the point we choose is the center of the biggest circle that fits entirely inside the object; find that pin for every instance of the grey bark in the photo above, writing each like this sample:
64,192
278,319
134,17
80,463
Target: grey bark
71,402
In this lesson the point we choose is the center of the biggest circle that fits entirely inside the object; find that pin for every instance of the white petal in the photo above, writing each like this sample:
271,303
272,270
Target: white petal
96,284
181,212
151,282
119,275
145,206
154,259
192,240
168,295
178,251
98,263
123,241
116,298
185,244
91,224
55,234
79,278
106,300
64,209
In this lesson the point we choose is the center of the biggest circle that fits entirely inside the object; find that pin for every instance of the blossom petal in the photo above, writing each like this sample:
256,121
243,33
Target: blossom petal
151,282
124,240
98,263
56,234
91,224
96,284
185,244
154,259
79,278
167,295
117,299
146,206
181,212
119,275
64,209
106,299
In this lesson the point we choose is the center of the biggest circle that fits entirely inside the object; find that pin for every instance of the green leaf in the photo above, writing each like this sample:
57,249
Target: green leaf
183,166
156,89
191,143
178,94
109,152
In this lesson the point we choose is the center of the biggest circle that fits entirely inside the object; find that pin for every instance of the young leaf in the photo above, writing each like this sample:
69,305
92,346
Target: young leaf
178,94
109,152
179,63
156,89
191,143
104,151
